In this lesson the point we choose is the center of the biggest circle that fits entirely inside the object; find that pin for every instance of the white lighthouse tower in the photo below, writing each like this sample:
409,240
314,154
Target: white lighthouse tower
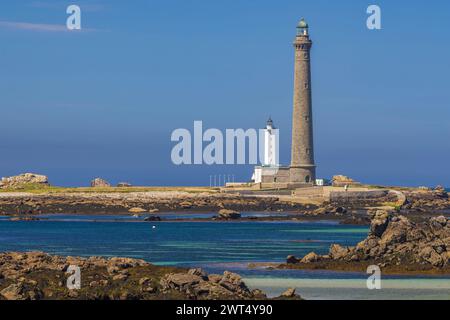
270,145
269,165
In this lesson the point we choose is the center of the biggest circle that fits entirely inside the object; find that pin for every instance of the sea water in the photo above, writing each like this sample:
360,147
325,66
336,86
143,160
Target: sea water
219,246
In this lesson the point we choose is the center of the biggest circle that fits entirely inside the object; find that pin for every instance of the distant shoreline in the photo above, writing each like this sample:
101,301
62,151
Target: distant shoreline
416,203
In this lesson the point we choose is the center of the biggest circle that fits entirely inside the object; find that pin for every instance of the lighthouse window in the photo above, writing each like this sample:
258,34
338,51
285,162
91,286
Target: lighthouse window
306,118
306,85
307,151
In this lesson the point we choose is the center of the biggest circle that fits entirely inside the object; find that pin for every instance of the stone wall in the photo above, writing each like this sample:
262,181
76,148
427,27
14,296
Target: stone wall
362,197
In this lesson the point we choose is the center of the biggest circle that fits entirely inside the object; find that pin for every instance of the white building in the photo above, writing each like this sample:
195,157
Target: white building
270,162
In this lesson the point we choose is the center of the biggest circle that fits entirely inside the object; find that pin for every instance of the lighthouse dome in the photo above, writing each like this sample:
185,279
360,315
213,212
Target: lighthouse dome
302,24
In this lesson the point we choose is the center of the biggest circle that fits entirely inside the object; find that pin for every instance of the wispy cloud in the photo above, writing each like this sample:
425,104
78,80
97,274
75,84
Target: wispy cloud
39,27
33,26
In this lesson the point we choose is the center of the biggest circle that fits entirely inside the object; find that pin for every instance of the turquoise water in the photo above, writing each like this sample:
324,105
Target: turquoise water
174,243
217,246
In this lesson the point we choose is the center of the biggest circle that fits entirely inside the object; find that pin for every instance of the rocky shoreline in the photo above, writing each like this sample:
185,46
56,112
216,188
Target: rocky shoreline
418,205
40,276
396,244
110,203
101,198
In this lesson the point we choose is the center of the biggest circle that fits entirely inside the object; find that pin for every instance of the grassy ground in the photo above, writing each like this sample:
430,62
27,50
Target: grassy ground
399,188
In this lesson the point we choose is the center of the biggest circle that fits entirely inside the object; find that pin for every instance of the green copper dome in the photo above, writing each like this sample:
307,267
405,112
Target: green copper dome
302,24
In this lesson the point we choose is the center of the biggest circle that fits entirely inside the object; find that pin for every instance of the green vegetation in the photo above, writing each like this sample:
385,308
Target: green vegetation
388,187
395,205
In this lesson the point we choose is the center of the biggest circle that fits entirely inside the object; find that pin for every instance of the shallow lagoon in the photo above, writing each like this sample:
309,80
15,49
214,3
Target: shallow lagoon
218,246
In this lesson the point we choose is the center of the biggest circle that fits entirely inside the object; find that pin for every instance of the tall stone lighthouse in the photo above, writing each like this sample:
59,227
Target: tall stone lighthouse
302,169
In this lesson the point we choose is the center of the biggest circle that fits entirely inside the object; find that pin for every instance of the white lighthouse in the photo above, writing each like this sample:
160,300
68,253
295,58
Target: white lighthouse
270,145
269,165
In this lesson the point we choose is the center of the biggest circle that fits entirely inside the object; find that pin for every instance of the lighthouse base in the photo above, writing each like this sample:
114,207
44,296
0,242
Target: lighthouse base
285,177
301,175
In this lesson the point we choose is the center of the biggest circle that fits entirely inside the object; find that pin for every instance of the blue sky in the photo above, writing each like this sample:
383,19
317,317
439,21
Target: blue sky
104,101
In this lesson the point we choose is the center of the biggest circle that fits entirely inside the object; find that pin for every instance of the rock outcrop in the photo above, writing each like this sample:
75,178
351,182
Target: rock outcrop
310,257
440,192
24,180
395,241
124,185
136,210
152,218
427,200
37,275
99,182
228,214
197,284
289,293
341,181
